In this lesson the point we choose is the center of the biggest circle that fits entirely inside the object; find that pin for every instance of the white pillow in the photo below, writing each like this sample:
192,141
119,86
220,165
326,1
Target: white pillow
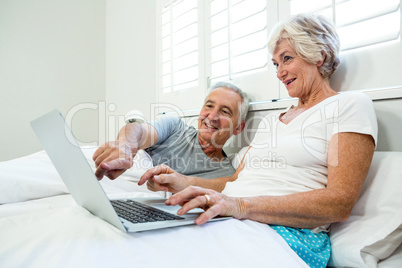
34,176
237,157
374,228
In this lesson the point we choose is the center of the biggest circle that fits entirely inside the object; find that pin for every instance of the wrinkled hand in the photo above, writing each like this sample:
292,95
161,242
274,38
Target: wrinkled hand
112,159
163,178
217,205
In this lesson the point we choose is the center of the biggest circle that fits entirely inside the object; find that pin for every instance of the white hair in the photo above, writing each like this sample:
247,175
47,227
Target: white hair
312,37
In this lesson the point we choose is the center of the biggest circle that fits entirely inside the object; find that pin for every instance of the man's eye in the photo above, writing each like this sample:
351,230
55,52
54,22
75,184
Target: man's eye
225,111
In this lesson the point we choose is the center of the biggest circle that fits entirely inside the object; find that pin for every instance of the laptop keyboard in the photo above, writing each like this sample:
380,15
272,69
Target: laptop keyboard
136,212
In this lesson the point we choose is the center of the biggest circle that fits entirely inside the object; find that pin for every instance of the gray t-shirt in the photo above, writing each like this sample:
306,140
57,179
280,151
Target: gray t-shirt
178,147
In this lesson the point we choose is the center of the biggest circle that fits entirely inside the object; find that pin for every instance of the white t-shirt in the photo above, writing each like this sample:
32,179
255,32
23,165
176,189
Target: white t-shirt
286,159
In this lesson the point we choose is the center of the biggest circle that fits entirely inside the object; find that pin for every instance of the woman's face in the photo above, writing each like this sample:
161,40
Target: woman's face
299,76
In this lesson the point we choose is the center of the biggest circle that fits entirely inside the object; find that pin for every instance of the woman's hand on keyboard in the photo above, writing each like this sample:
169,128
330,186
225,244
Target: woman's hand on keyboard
213,202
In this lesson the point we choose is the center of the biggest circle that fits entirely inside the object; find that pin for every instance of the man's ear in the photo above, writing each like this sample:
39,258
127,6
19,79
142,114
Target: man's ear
239,128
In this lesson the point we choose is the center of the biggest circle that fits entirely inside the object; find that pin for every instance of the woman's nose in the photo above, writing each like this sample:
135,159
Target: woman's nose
280,72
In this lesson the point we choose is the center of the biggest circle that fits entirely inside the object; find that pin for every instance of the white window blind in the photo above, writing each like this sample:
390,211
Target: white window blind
204,41
359,23
179,46
238,37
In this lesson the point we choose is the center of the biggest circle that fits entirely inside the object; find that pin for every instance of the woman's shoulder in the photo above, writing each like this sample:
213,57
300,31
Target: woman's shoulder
353,96
353,99
356,104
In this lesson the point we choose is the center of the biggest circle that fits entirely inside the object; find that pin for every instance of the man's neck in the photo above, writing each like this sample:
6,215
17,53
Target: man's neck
211,151
216,155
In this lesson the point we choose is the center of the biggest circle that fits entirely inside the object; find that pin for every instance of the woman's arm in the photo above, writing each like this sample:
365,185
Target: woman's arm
349,159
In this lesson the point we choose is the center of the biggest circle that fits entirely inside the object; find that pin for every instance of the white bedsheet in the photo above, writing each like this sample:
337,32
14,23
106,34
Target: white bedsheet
41,226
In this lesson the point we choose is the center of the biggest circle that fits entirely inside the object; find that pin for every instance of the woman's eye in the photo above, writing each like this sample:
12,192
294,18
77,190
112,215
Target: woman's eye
287,58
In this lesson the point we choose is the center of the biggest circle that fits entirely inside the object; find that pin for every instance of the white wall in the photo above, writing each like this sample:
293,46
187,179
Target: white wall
94,60
52,55
130,59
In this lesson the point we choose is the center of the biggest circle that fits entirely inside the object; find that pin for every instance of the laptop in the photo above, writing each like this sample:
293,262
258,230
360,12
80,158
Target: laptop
71,164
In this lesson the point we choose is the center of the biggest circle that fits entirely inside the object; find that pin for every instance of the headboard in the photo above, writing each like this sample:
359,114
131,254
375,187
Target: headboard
387,103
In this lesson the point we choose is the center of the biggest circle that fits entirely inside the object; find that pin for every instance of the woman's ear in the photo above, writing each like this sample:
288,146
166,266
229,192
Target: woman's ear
323,57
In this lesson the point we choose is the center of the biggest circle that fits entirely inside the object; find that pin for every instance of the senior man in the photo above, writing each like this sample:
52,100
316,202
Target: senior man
171,142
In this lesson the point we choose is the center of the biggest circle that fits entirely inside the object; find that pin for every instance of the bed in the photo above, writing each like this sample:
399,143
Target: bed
41,226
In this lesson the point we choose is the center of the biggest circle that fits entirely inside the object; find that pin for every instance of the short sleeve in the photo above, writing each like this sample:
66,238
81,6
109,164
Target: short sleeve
165,127
357,114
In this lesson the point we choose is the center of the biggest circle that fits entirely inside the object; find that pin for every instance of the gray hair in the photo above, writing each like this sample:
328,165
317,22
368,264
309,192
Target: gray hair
311,36
243,108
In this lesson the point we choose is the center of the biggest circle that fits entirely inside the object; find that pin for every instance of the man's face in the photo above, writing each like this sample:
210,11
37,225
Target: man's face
218,118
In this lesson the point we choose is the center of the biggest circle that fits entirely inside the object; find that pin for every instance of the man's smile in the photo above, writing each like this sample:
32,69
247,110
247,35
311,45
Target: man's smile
210,126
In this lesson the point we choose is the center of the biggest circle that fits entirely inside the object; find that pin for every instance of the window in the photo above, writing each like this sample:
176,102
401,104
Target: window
375,22
180,54
179,38
204,41
238,37
236,45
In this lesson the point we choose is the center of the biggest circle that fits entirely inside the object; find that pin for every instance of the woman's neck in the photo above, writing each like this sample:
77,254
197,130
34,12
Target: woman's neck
317,94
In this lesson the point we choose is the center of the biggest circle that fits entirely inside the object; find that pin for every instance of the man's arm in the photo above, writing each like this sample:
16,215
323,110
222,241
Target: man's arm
217,184
139,136
114,158
163,178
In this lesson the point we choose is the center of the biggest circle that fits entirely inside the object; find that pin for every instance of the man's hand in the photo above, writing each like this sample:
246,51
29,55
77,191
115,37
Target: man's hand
163,178
112,159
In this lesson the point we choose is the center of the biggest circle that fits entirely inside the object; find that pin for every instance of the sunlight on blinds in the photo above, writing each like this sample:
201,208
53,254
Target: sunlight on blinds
375,22
238,37
324,7
359,23
179,46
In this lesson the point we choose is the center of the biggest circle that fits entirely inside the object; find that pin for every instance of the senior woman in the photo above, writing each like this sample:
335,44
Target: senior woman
306,166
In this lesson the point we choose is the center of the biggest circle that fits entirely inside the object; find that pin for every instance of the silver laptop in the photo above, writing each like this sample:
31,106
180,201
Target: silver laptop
128,215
